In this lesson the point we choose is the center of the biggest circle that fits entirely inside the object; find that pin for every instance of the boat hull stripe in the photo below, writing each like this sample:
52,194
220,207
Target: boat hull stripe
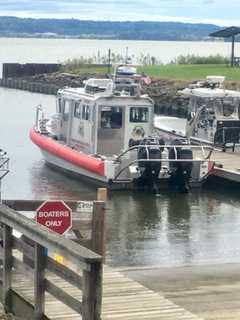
66,153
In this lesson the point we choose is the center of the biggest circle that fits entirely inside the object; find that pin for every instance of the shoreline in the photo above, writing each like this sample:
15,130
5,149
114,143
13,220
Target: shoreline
162,91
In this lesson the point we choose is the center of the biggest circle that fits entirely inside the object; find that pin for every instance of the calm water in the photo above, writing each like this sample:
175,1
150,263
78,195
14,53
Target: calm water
172,229
59,50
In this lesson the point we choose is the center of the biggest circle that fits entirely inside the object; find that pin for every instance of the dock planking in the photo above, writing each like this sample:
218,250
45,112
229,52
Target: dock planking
123,298
227,165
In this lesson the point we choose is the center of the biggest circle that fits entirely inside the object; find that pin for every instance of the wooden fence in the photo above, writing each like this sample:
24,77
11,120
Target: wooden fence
88,281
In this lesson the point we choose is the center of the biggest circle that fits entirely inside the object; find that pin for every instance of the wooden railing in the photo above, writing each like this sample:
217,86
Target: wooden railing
88,226
89,282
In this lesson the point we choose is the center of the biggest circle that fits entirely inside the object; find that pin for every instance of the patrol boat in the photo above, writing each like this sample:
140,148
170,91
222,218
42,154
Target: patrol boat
104,132
213,115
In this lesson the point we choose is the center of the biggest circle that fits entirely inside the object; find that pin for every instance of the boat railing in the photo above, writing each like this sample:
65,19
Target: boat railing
206,156
41,121
4,168
39,115
137,161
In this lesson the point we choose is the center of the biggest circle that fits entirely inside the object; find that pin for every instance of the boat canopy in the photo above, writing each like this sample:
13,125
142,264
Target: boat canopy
210,93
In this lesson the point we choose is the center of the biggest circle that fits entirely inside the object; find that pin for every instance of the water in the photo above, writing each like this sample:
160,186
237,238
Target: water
142,229
59,50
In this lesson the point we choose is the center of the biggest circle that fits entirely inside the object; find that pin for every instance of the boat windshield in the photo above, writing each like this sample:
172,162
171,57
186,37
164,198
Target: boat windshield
227,107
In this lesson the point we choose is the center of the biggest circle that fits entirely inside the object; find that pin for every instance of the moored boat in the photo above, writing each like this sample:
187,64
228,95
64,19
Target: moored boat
104,132
213,114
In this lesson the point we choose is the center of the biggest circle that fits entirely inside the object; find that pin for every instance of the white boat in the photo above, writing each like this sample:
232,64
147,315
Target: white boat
104,132
213,114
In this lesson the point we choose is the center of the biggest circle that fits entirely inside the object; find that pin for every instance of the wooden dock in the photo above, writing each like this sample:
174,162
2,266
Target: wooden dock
227,165
122,299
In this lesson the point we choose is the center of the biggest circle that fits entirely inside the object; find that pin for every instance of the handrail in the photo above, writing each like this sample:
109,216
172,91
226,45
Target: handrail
46,238
156,160
168,147
42,238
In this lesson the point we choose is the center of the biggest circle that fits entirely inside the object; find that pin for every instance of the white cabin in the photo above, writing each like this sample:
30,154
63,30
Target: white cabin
99,119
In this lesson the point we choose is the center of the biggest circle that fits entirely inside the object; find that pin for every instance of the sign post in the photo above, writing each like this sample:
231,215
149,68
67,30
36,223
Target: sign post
55,215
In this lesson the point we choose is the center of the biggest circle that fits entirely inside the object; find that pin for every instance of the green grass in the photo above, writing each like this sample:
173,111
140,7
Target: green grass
85,68
168,71
192,72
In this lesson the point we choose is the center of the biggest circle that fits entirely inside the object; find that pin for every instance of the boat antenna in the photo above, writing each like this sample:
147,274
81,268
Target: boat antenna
4,169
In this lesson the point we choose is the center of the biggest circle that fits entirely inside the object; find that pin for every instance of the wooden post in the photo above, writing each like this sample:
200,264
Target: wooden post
39,282
92,293
98,228
7,267
102,194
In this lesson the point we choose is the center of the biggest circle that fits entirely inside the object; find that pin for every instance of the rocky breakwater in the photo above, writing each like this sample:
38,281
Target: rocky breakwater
164,92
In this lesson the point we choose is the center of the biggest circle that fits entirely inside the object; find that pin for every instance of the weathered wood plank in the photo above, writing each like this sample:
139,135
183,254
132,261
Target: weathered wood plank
92,293
7,266
98,228
65,273
48,239
63,296
39,284
32,205
123,299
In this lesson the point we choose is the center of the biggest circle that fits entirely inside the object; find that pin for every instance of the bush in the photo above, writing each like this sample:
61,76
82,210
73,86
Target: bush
192,59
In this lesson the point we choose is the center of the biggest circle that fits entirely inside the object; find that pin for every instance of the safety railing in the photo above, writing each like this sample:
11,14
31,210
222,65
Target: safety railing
88,280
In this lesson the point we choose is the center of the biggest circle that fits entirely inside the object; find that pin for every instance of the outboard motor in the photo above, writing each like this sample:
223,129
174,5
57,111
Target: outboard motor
180,170
149,170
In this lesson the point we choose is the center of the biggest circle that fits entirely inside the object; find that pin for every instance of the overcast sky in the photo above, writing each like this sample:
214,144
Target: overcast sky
219,12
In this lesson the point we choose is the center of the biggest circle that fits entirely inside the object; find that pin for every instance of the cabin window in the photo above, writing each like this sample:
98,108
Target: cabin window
111,117
139,114
85,112
66,109
77,110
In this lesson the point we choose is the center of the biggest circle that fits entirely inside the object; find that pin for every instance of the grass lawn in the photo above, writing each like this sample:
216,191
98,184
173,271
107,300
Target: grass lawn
85,68
170,71
192,72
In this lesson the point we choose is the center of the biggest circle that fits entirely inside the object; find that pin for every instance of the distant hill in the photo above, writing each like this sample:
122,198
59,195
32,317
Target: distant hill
140,30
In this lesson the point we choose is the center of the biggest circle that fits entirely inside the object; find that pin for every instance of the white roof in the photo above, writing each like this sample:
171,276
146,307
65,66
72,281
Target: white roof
210,93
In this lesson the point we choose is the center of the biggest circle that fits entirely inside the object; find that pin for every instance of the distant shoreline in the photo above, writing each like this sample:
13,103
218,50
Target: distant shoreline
43,36
107,30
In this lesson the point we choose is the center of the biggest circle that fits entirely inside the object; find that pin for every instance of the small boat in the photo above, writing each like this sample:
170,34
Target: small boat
104,132
213,114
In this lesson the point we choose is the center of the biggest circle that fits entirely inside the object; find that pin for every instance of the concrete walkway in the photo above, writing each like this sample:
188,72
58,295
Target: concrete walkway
211,291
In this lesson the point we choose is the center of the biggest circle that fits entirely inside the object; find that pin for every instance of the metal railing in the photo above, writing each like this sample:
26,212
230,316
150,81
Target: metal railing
205,156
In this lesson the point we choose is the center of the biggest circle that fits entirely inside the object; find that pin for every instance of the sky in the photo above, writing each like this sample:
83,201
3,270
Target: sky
220,12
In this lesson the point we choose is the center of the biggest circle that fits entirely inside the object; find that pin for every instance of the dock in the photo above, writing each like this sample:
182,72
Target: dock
227,165
123,299
36,284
